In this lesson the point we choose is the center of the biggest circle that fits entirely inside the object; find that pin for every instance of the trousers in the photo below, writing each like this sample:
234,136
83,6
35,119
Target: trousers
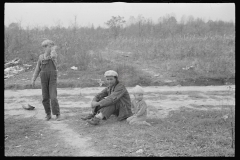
48,77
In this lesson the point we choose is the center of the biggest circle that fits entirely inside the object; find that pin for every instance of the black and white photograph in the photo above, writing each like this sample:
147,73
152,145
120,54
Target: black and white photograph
119,79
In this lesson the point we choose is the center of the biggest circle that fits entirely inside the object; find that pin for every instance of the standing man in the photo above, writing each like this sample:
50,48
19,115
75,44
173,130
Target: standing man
47,67
114,99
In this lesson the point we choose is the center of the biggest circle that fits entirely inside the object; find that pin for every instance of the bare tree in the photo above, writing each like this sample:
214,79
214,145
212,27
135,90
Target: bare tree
115,24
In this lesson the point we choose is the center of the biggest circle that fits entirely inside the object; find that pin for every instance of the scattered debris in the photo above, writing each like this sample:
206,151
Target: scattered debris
28,107
139,151
225,117
18,146
228,83
74,68
6,137
11,71
188,68
168,81
14,62
56,151
13,67
27,66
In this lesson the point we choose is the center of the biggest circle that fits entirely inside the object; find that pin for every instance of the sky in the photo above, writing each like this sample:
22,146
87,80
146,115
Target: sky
86,14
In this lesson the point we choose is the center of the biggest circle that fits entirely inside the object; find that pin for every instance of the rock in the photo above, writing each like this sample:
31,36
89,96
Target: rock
139,151
18,146
55,151
74,68
225,117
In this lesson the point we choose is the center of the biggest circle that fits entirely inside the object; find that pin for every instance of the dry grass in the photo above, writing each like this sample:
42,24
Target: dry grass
29,137
186,132
210,56
187,61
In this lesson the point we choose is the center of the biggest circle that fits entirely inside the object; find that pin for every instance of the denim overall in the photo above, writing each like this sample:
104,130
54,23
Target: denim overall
48,77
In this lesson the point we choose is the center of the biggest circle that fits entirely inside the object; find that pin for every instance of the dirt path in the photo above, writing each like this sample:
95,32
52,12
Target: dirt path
81,145
161,100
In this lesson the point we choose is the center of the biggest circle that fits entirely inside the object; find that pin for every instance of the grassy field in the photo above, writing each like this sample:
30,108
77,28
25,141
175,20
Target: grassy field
147,54
149,62
154,58
28,137
186,121
186,132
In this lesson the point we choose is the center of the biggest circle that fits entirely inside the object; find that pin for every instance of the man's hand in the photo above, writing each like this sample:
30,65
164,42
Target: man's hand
33,84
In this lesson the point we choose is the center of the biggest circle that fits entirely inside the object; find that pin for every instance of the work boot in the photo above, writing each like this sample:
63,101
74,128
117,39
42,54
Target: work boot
48,117
94,121
58,117
88,117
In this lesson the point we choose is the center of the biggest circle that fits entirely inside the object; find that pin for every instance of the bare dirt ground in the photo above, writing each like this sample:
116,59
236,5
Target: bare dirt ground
161,100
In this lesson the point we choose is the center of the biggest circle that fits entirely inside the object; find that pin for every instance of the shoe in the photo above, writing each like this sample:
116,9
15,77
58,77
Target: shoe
58,117
122,118
94,121
48,117
88,117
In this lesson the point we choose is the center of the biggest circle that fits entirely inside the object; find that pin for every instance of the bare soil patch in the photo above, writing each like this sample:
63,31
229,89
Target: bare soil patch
73,137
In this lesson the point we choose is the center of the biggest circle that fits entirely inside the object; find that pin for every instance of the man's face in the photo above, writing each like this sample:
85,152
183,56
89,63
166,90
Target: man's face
110,80
47,48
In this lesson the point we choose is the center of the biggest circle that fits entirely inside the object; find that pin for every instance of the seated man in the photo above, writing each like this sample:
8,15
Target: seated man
114,99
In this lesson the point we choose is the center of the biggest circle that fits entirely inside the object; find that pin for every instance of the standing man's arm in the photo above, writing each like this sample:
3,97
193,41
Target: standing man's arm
36,71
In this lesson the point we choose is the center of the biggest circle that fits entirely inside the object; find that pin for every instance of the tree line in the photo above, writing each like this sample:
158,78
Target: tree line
19,41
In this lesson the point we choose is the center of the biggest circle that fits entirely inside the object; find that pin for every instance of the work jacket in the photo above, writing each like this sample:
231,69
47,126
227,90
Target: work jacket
116,95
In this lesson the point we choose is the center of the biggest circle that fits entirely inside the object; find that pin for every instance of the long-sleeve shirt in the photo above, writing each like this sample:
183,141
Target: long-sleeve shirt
139,108
116,95
53,56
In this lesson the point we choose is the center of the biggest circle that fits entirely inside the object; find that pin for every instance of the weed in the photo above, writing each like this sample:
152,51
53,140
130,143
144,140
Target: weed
187,132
